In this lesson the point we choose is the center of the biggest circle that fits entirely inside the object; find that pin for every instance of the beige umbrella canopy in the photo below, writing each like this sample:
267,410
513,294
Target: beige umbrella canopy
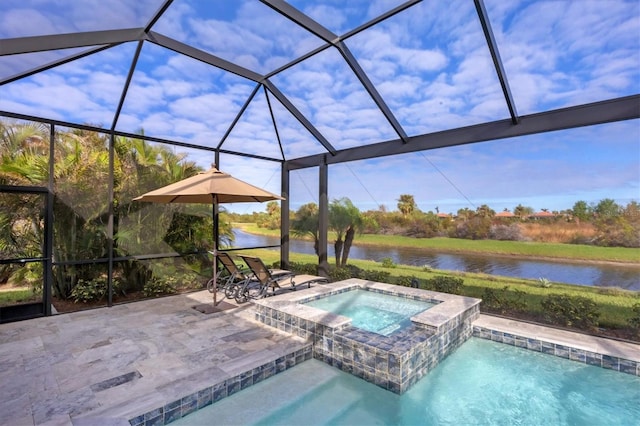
206,187
212,186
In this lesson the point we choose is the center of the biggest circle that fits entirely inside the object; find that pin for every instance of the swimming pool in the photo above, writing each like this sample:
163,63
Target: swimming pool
376,312
483,382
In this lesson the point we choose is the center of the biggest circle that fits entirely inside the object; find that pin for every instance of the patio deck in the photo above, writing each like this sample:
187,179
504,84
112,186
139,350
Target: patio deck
108,365
105,366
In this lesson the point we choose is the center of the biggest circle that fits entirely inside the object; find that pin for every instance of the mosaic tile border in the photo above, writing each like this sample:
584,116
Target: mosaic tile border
393,362
188,404
389,291
609,362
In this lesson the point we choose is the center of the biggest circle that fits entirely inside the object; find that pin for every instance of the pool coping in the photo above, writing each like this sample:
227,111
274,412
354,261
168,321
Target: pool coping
620,356
434,319
395,361
186,405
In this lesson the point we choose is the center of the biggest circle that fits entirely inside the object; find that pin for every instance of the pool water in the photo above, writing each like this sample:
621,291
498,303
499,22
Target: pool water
482,383
376,312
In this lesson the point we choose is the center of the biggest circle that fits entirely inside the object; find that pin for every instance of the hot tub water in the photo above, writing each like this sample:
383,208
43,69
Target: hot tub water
376,312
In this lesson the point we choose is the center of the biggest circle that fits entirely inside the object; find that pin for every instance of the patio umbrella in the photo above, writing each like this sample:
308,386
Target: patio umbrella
212,186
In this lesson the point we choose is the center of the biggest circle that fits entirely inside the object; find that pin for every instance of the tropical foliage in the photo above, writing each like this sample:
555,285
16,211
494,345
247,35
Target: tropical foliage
406,204
305,223
270,219
605,224
84,174
344,219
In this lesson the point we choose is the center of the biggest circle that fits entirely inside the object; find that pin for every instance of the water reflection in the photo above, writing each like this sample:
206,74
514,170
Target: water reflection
602,275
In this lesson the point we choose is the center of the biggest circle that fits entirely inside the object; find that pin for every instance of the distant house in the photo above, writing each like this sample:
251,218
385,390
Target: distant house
504,215
444,216
542,215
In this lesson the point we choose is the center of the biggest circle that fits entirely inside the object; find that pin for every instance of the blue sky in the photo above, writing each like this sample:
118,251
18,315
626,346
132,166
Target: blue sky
430,63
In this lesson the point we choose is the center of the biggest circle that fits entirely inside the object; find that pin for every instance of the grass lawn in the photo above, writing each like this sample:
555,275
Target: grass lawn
11,297
575,252
614,305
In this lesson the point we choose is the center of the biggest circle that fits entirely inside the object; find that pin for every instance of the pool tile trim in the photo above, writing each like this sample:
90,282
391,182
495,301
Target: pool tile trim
197,400
393,362
188,404
374,361
584,356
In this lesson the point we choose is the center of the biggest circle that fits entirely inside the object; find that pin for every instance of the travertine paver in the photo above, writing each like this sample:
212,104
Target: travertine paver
106,365
621,349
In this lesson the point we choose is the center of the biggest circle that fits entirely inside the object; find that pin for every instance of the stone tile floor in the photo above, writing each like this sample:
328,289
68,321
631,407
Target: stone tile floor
107,365
620,349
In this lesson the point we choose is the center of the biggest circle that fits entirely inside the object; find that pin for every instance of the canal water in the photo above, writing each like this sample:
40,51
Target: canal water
590,274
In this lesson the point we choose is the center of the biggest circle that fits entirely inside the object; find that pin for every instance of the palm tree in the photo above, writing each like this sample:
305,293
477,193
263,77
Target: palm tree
522,212
24,160
305,222
485,212
80,169
344,219
81,202
139,228
406,204
24,151
465,214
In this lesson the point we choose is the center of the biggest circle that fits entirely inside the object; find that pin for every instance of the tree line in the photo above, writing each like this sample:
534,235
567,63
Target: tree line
612,224
83,176
95,179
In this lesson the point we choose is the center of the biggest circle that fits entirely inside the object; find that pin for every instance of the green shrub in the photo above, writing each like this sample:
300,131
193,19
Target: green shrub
339,274
354,271
190,280
444,284
159,286
503,301
405,280
274,265
304,268
387,262
89,290
568,310
377,276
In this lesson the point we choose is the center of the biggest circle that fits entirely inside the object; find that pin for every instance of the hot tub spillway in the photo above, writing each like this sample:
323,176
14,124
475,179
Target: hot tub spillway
395,361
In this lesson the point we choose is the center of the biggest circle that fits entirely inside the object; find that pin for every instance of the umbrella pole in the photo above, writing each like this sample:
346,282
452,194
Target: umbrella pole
215,251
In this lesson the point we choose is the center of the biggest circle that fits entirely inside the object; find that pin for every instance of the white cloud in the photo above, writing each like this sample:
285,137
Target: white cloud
430,64
173,22
378,45
329,16
227,39
35,17
144,94
565,48
61,99
21,22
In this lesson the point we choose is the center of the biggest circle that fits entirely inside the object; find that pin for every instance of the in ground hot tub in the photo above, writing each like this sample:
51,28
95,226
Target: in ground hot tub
395,360
373,311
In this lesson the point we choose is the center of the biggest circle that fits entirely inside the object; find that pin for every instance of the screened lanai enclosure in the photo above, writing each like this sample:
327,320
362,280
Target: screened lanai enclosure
102,101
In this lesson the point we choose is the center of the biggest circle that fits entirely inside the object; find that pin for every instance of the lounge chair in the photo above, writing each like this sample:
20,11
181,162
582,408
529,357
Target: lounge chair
265,279
234,277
